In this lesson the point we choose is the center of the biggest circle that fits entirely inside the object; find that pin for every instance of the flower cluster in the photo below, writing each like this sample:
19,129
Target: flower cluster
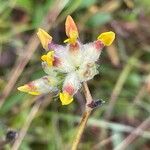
67,66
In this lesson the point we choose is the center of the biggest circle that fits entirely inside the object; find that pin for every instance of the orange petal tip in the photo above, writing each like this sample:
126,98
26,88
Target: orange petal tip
71,28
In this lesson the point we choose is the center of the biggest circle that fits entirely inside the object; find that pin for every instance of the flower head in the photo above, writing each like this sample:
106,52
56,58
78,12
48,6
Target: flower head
67,66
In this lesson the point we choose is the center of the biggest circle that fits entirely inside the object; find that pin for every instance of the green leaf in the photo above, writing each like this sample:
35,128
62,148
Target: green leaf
87,3
38,15
99,19
11,101
3,6
134,80
71,6
25,4
40,9
144,3
117,138
37,74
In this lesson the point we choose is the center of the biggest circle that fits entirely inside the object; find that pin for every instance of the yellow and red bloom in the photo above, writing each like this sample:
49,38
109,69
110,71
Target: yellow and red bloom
67,66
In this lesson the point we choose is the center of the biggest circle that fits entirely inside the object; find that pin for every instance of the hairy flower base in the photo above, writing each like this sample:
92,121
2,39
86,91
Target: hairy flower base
67,66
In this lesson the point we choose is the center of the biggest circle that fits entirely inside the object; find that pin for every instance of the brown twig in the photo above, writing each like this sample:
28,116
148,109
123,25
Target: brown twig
103,142
85,117
137,101
126,142
142,91
139,95
30,49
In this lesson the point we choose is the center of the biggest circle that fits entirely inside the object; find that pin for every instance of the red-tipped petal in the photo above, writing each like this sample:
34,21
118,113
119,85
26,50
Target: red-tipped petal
71,28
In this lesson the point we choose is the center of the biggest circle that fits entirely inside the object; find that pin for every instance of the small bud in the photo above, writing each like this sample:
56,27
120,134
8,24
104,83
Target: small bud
96,103
11,136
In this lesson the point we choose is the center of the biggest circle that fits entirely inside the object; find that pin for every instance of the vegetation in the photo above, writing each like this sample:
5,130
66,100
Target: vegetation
123,82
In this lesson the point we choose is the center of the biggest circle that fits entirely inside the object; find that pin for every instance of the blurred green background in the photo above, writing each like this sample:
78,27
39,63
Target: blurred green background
123,81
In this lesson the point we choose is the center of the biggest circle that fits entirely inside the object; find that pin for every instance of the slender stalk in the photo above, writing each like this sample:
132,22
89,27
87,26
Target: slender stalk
80,130
85,117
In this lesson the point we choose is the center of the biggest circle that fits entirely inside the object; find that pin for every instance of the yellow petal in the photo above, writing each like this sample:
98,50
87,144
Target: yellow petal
48,58
34,93
66,41
44,37
65,98
71,30
70,40
27,89
107,38
44,57
24,88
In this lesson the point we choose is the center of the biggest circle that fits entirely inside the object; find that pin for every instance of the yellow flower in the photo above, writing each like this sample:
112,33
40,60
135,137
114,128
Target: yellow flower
65,98
44,37
48,58
107,38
